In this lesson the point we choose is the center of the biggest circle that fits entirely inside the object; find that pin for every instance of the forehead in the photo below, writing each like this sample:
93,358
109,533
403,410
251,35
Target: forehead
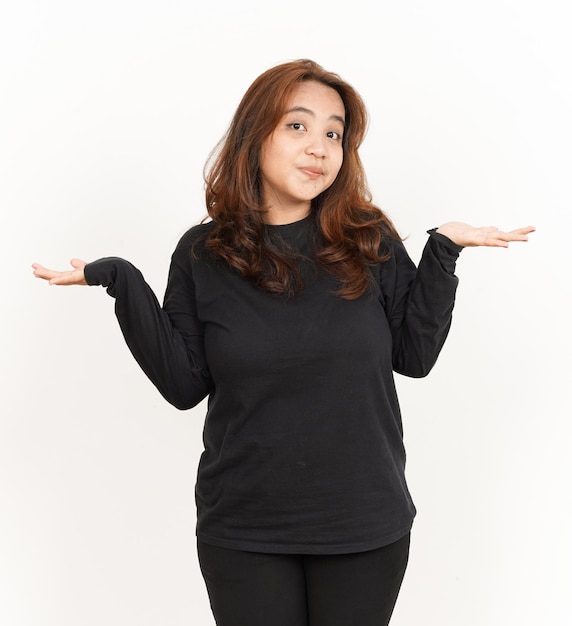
318,98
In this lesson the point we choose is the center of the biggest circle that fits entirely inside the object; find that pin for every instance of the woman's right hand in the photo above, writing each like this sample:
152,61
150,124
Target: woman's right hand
70,277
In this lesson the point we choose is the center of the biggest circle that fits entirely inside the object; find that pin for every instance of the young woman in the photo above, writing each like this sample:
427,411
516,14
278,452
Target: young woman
291,309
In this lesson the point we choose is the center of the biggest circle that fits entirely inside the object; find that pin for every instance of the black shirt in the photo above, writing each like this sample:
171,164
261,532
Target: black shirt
303,437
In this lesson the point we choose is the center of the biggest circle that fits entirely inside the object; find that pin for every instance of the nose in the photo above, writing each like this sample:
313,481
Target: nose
316,146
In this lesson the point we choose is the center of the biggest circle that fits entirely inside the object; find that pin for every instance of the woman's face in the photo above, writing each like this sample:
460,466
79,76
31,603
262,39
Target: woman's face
303,155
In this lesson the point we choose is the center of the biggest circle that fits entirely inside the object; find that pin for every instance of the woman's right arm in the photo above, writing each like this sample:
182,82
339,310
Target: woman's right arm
167,342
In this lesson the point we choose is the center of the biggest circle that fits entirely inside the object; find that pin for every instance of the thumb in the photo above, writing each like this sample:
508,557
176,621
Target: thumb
78,264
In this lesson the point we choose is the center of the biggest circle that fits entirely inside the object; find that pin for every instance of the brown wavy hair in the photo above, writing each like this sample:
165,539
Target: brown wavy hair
349,227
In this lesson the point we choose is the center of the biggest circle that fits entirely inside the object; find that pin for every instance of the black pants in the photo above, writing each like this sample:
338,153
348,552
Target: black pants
256,589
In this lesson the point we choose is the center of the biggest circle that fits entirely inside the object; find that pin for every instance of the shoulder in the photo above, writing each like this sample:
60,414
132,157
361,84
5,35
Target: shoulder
191,246
195,235
192,243
394,262
391,247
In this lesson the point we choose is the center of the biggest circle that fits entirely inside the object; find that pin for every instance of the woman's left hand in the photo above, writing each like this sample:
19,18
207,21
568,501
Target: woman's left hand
466,235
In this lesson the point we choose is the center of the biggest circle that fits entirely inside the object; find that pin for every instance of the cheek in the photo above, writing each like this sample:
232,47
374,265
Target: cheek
339,163
268,154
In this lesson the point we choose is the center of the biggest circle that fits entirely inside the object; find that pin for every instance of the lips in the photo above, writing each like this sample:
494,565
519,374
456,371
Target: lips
312,172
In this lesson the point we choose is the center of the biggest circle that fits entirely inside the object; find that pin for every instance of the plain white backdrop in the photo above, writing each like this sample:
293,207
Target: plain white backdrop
108,112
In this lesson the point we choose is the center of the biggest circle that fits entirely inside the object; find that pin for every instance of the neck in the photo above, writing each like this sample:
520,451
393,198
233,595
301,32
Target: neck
277,216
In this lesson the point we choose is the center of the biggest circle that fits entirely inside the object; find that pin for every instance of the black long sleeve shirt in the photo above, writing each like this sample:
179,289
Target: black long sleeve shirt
303,436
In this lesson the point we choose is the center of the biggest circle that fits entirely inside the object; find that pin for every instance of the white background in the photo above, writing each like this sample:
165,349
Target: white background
108,111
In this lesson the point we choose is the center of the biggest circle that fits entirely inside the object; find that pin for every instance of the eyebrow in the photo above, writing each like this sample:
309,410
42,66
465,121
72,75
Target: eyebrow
309,112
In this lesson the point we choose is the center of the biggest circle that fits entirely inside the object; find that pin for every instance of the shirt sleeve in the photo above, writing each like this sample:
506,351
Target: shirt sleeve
419,303
167,341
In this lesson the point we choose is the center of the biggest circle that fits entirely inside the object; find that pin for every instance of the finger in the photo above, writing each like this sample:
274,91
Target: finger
74,277
61,278
43,272
57,279
78,263
523,232
37,267
515,235
496,243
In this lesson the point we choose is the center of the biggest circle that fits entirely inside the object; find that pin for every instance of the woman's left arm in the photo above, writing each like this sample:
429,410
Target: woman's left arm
419,302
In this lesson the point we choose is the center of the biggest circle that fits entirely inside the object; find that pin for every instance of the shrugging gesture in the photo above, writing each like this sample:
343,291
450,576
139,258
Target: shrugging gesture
460,233
291,309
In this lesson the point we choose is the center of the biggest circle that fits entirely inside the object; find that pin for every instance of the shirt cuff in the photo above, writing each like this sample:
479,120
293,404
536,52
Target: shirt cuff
448,243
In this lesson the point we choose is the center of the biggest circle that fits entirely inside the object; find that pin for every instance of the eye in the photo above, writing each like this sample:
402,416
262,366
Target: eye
332,134
296,126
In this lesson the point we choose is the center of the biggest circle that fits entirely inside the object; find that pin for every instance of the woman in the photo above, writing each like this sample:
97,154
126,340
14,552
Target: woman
291,309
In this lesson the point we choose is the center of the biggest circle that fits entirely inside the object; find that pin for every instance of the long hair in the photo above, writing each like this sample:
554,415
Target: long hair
349,227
